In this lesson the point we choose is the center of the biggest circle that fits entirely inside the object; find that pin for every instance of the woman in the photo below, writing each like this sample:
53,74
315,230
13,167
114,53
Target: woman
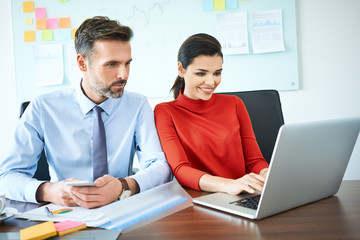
207,138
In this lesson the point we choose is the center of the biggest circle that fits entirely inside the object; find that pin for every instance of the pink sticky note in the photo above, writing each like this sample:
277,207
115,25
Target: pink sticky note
66,227
52,23
40,12
68,224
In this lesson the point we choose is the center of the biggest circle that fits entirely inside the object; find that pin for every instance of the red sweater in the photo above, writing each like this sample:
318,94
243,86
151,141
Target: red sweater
213,136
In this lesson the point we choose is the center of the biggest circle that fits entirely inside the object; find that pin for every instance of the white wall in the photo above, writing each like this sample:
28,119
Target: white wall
329,66
9,108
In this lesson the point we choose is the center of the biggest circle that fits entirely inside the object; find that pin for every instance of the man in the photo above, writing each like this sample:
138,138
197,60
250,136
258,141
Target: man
63,122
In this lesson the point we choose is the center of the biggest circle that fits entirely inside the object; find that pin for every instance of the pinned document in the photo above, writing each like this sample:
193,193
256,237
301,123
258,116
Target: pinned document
267,31
232,31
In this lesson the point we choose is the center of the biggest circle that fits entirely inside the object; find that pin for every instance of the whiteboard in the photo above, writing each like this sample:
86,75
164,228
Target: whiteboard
159,27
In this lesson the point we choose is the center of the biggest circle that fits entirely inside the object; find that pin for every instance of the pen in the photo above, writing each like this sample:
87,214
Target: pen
48,212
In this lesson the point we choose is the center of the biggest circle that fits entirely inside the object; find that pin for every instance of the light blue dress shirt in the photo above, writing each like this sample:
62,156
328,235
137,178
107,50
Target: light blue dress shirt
62,123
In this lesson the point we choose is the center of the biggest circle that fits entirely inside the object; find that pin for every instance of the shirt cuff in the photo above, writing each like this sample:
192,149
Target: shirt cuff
153,176
30,191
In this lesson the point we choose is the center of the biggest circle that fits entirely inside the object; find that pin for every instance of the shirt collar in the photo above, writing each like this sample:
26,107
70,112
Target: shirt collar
87,105
194,104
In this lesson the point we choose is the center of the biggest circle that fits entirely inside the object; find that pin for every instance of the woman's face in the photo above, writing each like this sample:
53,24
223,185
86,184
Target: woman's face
201,77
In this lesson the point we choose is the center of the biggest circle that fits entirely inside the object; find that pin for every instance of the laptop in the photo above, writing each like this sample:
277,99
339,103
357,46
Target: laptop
308,164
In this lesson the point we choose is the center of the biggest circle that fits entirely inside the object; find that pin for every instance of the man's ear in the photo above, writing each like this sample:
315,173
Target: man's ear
82,63
181,70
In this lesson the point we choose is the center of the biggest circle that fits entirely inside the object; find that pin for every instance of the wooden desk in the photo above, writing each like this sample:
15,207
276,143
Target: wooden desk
337,217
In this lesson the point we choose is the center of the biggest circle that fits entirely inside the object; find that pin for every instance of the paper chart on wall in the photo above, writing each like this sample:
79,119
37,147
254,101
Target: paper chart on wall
267,31
232,32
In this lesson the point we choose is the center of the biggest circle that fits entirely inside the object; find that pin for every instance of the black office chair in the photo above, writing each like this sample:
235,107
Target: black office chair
42,171
264,108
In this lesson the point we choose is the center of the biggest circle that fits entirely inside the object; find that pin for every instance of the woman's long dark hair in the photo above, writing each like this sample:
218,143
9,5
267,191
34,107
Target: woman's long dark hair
194,46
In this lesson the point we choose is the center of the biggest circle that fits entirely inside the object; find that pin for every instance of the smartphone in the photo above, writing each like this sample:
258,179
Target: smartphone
80,183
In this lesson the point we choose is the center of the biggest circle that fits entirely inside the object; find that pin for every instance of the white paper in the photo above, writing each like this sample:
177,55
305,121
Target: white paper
48,65
91,217
233,33
267,31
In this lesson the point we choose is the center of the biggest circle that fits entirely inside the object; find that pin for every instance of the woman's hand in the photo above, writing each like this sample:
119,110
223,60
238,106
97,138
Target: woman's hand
249,183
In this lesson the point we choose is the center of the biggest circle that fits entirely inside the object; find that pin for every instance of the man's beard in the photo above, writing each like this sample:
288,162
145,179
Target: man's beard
106,90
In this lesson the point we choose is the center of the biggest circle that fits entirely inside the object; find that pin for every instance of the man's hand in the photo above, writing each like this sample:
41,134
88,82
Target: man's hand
107,189
58,193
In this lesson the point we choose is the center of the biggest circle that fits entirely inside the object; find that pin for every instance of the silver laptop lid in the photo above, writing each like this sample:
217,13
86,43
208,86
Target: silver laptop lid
308,163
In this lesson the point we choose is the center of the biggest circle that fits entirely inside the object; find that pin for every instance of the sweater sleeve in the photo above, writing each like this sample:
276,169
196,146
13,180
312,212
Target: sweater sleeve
254,160
185,174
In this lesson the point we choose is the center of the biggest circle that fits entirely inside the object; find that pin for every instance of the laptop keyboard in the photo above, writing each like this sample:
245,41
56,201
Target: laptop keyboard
250,202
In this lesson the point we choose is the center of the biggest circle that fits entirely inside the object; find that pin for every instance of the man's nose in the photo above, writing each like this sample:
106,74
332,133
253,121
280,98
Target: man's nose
122,73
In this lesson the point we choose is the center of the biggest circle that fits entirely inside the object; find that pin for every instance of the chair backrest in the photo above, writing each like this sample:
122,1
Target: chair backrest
264,108
42,171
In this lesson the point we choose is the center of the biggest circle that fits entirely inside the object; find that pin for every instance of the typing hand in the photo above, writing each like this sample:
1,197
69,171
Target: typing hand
249,183
107,189
58,193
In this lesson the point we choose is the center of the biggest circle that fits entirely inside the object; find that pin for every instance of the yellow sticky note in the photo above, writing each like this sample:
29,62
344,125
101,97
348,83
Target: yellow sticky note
47,35
29,36
219,5
64,22
38,231
28,21
40,23
73,31
28,6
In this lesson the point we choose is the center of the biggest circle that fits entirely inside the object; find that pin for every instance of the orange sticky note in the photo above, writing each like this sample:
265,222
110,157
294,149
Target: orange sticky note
219,5
29,36
40,23
73,31
28,6
64,22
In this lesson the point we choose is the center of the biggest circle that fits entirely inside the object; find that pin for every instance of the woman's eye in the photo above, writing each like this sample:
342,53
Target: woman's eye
200,74
217,73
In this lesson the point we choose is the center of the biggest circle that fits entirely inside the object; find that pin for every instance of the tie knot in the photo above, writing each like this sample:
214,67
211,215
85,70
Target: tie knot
97,110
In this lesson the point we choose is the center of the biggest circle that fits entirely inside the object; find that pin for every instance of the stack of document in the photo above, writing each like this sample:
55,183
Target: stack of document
124,215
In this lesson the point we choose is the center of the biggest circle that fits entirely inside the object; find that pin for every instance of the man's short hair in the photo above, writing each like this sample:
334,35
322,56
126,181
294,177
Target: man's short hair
99,28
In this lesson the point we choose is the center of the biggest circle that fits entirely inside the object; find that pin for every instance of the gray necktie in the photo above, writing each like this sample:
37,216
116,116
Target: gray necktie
100,167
